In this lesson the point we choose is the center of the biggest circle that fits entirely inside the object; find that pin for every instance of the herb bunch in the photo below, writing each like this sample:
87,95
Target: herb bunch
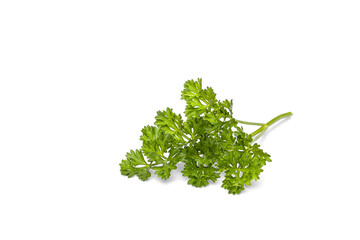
209,142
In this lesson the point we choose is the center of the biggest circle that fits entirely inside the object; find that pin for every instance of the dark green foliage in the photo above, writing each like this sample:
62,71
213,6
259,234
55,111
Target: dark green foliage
208,142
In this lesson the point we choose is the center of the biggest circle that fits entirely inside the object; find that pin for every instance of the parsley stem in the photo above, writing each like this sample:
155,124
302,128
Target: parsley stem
259,135
264,127
250,123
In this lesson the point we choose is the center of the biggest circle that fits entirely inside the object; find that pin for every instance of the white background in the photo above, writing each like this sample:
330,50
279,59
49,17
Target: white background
79,79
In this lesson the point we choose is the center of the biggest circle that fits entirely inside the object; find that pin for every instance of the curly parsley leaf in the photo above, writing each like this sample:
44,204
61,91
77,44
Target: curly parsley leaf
161,149
171,123
135,164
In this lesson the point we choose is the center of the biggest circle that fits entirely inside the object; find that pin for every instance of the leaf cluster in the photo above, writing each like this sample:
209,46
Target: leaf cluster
208,142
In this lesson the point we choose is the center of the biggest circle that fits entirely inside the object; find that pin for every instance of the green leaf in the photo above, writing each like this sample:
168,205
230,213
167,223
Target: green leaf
164,171
161,149
127,169
171,123
155,140
199,174
136,158
135,164
197,100
196,127
191,90
143,174
242,167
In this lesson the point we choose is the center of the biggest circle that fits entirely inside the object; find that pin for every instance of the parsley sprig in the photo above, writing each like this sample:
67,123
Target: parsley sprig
209,142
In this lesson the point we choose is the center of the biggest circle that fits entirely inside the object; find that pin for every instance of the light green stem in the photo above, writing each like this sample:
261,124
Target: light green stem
250,123
265,126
